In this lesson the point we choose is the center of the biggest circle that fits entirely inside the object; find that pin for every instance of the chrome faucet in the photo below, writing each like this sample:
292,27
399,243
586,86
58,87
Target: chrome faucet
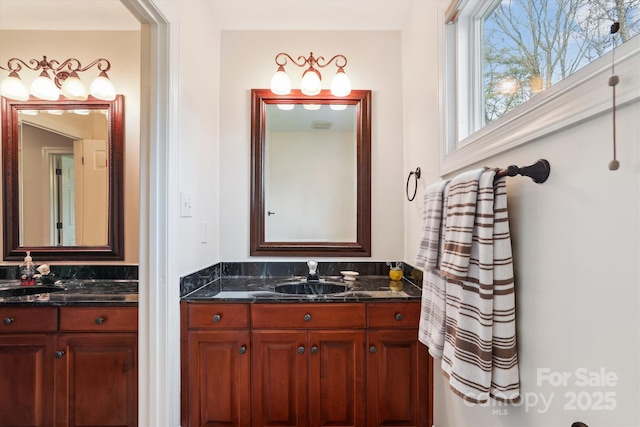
313,271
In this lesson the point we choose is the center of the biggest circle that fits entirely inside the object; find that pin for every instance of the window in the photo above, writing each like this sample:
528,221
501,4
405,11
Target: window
502,54
529,46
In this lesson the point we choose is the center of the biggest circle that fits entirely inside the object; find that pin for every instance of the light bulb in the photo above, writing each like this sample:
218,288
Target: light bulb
73,88
102,88
340,85
44,88
13,88
311,84
280,82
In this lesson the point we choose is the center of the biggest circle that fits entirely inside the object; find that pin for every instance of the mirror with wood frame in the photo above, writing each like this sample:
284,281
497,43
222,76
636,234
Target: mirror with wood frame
63,179
311,174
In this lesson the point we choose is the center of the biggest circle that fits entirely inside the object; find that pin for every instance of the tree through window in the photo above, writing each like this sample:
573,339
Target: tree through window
529,45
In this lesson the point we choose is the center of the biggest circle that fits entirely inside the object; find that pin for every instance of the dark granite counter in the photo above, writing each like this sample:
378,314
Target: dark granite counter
262,290
78,292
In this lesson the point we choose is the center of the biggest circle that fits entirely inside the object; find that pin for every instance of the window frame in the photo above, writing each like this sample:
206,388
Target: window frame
581,96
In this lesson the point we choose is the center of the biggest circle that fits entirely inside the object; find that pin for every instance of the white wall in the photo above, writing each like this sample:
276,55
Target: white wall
196,105
87,46
576,242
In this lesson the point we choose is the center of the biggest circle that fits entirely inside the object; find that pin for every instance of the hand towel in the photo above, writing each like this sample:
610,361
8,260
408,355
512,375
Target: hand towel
431,329
460,217
428,251
433,308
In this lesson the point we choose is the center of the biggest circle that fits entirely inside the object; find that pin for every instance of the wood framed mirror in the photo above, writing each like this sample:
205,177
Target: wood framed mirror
311,174
62,181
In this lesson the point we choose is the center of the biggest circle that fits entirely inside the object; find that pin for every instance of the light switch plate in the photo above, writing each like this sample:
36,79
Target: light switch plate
185,205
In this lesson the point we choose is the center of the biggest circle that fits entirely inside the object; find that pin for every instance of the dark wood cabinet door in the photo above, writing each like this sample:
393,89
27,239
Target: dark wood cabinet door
97,379
219,378
279,369
26,380
399,375
336,378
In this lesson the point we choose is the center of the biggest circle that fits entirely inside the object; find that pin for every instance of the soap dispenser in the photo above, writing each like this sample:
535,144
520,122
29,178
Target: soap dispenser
27,270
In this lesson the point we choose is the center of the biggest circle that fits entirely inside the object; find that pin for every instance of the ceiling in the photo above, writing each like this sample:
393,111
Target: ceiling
64,14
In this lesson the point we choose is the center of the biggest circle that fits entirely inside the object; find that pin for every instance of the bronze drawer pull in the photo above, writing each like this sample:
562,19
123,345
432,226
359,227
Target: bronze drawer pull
373,349
301,349
307,317
7,320
216,318
100,320
243,349
59,354
399,317
314,350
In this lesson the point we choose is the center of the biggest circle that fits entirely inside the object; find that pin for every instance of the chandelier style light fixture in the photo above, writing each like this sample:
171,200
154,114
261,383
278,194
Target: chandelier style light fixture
63,79
311,78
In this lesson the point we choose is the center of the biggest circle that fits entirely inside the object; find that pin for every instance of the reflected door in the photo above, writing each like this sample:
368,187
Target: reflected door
92,183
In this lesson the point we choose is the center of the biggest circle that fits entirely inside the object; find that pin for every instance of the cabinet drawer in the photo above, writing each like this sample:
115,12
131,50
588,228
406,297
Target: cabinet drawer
394,315
28,319
308,316
218,316
98,319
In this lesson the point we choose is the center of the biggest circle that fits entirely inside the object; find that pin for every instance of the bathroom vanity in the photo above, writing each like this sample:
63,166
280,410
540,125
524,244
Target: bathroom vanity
70,358
253,357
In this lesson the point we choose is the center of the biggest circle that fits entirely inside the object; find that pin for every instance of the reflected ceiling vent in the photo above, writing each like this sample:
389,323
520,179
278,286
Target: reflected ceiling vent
316,124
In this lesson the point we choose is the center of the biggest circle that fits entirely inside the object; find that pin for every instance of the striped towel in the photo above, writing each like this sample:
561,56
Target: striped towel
479,354
461,208
505,377
431,329
432,312
427,257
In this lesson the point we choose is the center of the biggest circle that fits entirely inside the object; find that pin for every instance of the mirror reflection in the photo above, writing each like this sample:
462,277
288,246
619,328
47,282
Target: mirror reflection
63,179
310,173
311,176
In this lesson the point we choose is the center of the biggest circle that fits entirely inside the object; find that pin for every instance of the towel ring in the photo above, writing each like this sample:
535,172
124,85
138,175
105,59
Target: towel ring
415,190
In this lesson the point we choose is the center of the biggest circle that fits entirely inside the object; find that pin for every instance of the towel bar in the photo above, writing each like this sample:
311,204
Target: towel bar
538,172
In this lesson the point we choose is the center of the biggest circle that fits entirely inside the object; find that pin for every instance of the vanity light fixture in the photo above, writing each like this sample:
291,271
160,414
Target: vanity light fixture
63,79
311,78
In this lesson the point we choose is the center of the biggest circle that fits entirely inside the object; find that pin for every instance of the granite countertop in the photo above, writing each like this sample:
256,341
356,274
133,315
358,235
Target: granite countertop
78,292
261,290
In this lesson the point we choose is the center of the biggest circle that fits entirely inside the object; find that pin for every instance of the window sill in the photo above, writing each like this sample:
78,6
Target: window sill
580,97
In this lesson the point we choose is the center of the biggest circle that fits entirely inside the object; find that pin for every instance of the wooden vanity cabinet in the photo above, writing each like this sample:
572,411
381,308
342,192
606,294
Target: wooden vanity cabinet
304,364
27,342
68,366
97,367
308,364
217,391
398,367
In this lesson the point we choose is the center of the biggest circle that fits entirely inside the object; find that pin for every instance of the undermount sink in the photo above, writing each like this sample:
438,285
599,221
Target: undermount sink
15,290
311,288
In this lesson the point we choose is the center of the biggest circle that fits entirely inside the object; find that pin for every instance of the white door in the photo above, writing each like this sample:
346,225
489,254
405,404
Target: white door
92,192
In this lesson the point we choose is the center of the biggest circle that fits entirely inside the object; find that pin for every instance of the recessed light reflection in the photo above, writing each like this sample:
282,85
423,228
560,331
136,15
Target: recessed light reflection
338,107
311,107
286,107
